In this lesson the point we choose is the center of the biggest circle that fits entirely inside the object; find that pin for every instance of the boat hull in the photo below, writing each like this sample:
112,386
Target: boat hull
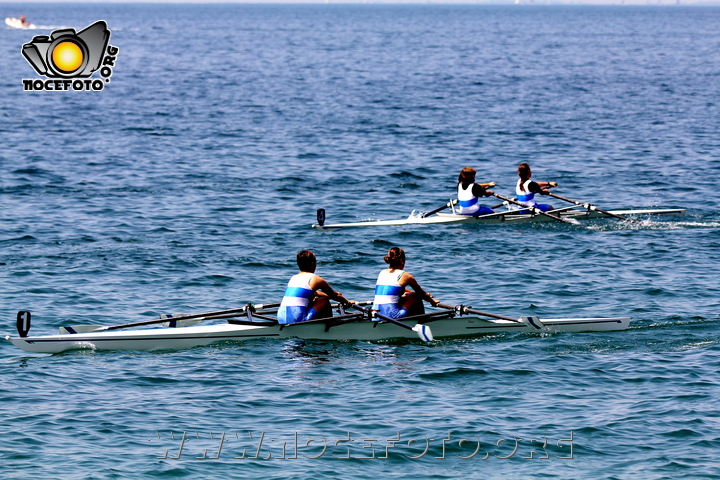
188,337
502,218
17,23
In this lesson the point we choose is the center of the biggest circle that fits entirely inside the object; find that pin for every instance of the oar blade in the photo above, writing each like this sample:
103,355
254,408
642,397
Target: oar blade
533,322
423,332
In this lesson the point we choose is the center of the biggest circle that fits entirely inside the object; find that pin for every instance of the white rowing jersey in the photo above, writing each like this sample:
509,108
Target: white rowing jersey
295,302
388,289
526,197
468,202
298,291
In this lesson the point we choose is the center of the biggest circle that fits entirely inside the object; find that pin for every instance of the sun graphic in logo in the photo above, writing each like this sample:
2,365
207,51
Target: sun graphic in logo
67,56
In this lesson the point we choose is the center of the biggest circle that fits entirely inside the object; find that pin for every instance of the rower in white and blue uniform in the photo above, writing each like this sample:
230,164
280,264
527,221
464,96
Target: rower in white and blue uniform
526,189
391,297
469,192
302,300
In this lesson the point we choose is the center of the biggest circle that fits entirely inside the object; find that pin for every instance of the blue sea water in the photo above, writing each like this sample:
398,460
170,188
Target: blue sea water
190,182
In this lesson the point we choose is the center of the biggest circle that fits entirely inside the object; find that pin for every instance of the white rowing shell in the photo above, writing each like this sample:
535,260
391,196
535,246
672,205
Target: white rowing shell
187,337
501,217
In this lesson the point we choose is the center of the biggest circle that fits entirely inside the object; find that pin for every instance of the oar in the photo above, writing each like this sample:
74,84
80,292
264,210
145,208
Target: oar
450,203
533,209
463,310
423,331
532,322
100,328
593,207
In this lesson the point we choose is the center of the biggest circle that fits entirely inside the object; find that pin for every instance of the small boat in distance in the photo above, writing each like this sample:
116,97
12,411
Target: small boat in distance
18,22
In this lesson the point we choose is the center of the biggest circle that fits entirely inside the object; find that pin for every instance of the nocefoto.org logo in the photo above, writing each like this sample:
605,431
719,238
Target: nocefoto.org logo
68,59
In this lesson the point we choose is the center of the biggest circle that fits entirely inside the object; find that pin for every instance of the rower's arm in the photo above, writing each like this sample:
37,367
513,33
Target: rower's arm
319,283
481,189
408,280
541,187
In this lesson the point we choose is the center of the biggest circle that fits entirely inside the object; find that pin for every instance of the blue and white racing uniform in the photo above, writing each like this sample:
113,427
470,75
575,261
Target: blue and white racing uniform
469,202
294,305
388,292
527,198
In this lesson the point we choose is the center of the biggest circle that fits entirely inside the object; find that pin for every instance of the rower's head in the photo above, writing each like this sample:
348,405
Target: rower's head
306,261
395,258
524,171
467,175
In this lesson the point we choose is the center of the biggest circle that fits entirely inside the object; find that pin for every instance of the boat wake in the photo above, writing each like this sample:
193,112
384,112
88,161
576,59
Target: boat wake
652,224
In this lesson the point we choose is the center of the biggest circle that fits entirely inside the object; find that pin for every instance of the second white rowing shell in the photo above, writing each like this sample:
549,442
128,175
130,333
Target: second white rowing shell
502,217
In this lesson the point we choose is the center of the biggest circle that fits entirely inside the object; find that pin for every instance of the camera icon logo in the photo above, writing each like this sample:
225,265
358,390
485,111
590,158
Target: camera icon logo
67,54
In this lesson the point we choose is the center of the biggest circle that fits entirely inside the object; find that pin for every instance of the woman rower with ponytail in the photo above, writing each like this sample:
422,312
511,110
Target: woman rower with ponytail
526,189
391,297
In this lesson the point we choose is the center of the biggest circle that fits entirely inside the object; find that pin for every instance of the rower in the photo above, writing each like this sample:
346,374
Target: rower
469,192
307,295
526,189
392,299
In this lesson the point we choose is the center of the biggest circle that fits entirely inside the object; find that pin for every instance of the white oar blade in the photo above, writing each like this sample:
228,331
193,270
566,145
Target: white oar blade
423,332
573,221
532,322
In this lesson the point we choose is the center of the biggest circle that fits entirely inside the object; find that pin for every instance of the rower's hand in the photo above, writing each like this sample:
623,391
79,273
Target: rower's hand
552,184
344,301
489,193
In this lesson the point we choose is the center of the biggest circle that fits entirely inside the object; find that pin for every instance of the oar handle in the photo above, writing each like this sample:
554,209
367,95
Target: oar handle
464,310
534,209
592,207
